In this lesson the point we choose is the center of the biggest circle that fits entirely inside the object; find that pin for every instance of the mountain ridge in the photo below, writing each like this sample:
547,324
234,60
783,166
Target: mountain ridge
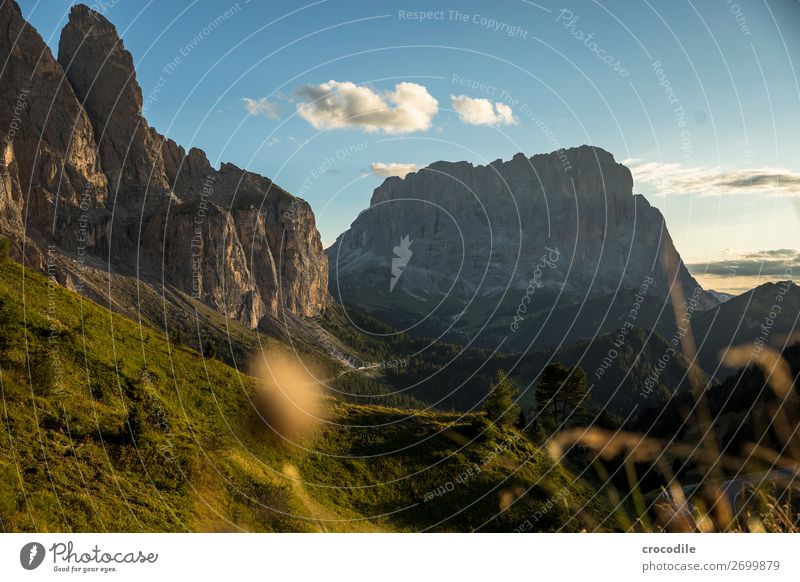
565,225
91,179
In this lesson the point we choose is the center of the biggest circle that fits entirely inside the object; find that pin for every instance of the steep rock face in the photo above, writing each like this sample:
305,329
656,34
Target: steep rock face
200,249
185,173
50,162
11,200
101,72
75,147
564,225
276,230
216,237
253,233
297,247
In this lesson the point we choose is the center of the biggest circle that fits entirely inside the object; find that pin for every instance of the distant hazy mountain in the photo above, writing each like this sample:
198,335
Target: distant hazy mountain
767,316
721,296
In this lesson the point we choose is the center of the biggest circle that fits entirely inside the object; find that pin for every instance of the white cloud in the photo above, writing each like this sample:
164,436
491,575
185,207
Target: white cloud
337,104
482,111
261,106
393,169
676,179
505,113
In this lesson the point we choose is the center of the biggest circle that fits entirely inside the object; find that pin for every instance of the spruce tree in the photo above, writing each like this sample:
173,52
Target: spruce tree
499,406
560,396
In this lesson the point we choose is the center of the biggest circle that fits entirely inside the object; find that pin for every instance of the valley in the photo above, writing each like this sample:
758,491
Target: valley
500,347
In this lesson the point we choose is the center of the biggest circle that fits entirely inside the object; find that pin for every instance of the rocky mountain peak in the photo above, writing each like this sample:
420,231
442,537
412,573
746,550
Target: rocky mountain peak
50,160
567,220
76,141
102,73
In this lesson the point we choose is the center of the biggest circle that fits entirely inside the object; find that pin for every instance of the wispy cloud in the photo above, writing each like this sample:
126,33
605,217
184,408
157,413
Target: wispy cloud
737,273
670,179
336,104
769,263
482,111
393,169
261,106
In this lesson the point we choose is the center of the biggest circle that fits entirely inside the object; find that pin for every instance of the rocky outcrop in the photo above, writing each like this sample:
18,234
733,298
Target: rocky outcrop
185,173
11,200
50,162
102,73
199,245
297,249
276,231
482,240
76,148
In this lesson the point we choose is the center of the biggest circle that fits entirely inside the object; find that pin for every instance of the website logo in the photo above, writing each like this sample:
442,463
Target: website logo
31,555
400,260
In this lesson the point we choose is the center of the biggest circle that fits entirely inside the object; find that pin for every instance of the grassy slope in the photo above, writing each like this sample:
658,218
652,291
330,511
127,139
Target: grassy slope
108,427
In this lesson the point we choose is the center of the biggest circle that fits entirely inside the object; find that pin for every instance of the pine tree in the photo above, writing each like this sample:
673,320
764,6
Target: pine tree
499,406
560,395
576,389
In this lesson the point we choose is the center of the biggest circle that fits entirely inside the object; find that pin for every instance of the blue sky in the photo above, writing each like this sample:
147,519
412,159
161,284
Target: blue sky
702,98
